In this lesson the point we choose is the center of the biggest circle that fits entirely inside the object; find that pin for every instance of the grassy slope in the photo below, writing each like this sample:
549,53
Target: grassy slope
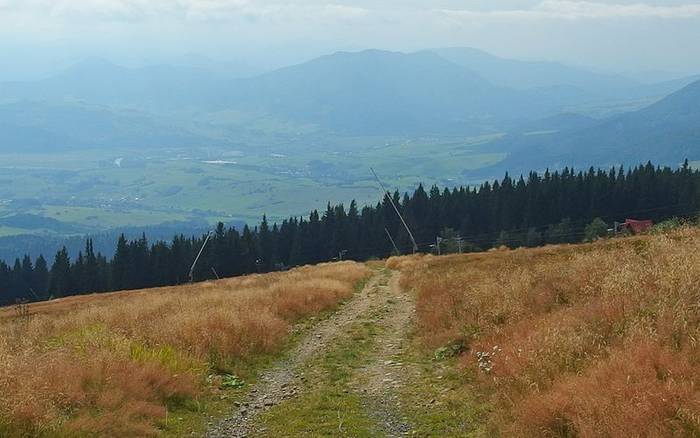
134,364
337,402
580,340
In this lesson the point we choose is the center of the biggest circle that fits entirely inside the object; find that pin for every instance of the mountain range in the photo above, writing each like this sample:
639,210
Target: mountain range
666,132
41,126
453,91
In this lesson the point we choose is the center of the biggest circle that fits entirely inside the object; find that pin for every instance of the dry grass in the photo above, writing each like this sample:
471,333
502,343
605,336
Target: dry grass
111,365
586,340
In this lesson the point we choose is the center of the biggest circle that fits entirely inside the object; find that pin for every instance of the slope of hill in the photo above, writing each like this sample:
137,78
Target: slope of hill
666,132
533,74
447,91
148,362
561,341
99,82
558,340
33,127
526,75
557,123
374,92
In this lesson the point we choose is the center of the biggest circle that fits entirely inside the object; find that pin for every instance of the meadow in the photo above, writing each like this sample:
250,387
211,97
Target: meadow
96,190
593,340
586,340
122,364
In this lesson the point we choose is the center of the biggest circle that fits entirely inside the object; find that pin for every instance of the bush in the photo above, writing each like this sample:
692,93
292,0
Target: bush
595,230
668,225
563,232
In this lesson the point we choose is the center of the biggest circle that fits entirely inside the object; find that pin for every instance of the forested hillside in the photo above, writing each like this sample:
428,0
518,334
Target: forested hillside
661,132
550,208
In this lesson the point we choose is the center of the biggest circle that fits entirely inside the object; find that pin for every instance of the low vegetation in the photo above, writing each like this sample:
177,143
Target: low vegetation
597,339
117,364
327,407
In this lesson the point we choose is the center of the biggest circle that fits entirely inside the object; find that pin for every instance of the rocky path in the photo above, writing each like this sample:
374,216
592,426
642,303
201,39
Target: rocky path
380,303
380,379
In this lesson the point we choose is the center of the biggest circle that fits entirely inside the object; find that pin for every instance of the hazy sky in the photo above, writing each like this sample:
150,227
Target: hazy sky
616,35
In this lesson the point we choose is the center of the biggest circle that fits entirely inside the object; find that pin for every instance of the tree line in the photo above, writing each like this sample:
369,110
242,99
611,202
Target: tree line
552,207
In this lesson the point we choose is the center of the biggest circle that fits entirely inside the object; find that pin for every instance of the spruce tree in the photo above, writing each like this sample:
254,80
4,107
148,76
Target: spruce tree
60,282
40,280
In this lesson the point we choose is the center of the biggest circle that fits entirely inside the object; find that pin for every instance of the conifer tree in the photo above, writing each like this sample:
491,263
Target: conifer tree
60,282
40,279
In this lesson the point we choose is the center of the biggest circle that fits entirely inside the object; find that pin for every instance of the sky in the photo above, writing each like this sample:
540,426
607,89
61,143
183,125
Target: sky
38,37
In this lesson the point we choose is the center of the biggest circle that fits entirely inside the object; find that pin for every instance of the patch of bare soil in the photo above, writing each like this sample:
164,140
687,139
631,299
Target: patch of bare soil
285,380
379,381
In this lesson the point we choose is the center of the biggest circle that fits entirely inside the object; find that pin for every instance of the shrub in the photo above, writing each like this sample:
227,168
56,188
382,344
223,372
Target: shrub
595,230
668,225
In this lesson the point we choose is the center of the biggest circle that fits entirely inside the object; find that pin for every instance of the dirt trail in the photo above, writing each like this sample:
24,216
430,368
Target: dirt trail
380,303
379,381
285,379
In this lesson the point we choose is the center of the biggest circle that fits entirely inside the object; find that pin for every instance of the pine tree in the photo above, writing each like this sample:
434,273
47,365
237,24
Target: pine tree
60,282
91,281
121,264
27,278
5,279
40,280
267,255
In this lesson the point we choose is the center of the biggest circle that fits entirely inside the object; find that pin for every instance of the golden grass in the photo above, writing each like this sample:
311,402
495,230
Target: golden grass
573,340
112,365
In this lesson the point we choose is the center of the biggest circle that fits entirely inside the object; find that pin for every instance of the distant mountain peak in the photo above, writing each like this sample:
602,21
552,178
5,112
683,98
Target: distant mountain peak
521,74
92,66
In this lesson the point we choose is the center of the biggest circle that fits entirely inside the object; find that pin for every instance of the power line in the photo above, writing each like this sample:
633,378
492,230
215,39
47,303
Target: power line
388,195
199,255
394,243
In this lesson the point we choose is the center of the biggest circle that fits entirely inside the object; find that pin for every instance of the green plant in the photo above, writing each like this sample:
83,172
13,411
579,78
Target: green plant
595,230
668,225
453,349
231,381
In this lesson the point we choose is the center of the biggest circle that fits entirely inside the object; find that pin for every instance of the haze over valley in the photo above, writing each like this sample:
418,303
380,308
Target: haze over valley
99,147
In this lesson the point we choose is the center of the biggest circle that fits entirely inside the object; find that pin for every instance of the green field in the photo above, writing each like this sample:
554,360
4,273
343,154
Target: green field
99,190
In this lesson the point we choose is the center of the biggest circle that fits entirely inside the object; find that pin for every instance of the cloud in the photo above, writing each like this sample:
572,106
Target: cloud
179,10
583,9
319,12
577,10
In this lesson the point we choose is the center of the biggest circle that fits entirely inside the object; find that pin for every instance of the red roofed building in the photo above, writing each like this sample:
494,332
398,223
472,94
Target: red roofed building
637,226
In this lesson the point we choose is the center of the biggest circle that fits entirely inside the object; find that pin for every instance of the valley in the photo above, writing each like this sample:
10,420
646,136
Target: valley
93,191
173,148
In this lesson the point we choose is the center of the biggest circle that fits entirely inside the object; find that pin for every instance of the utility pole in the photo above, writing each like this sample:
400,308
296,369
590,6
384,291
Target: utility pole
388,195
438,239
459,243
34,294
392,242
198,256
